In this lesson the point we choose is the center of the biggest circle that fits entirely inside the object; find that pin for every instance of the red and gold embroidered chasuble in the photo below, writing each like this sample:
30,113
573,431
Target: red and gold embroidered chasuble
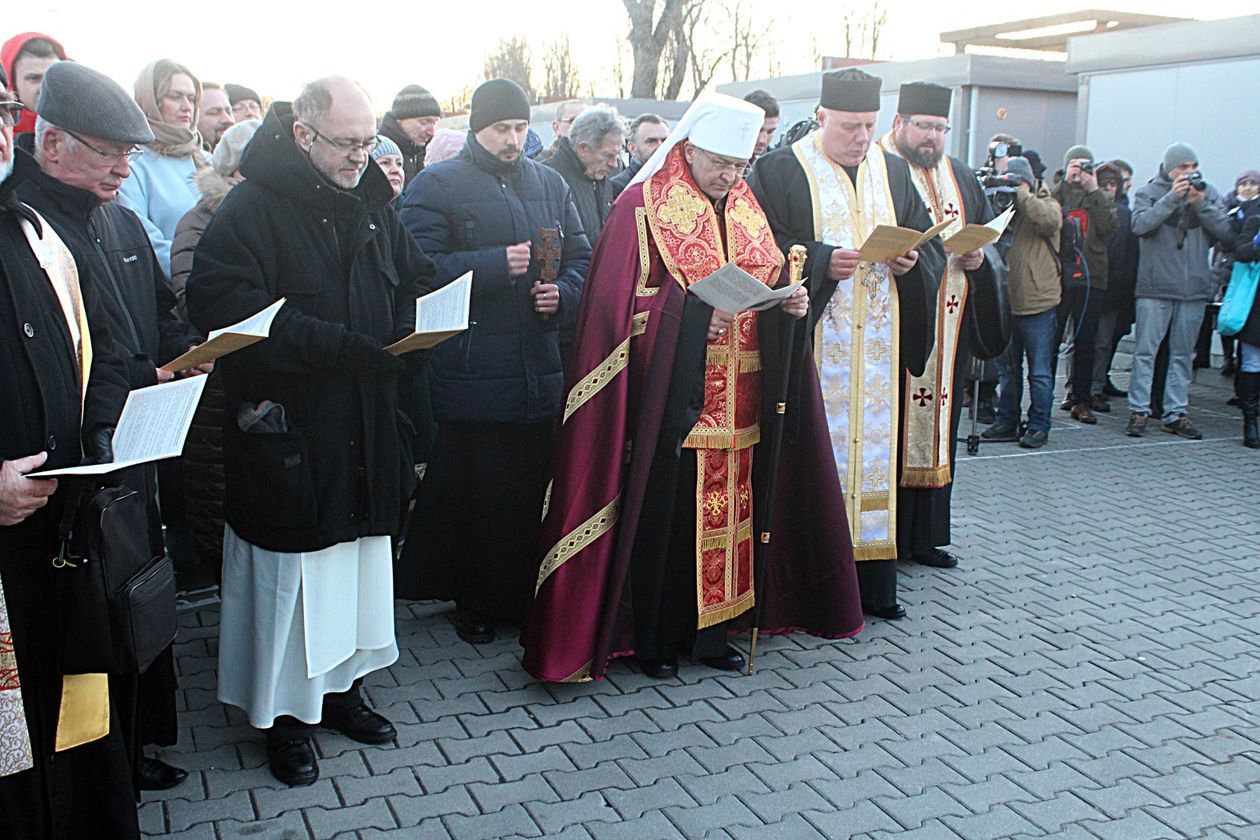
686,229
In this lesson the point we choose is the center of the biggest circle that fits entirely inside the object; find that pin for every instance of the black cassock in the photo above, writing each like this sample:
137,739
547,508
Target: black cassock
923,514
783,190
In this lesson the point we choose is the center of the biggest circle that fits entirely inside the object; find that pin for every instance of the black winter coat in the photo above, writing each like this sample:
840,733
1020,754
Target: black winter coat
464,212
115,258
592,198
345,266
413,155
622,179
1245,250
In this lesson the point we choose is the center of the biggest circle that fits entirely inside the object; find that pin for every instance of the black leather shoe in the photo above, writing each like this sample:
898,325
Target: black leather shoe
1111,390
361,724
472,627
292,761
936,558
158,775
661,669
891,613
728,660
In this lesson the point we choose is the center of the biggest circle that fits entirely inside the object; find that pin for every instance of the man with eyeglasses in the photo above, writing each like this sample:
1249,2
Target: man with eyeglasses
828,191
61,390
585,159
566,112
317,465
972,318
86,131
658,477
647,133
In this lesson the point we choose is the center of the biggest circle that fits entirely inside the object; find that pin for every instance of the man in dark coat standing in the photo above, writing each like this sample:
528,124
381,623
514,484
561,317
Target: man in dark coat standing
972,317
317,465
585,159
58,397
411,122
496,389
87,128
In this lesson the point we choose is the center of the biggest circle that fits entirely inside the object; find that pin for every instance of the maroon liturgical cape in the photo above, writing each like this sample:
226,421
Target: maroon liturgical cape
616,386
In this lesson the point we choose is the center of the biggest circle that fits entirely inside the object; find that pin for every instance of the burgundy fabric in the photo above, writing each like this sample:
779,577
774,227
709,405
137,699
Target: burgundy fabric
581,616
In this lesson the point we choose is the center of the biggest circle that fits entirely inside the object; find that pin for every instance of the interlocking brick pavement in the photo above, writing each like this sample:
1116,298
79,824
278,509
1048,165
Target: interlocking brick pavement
1091,669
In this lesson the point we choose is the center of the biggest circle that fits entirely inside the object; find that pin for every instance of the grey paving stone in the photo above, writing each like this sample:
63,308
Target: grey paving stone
654,825
326,822
632,804
400,782
513,819
272,802
287,826
601,777
182,814
696,820
862,818
738,780
998,822
413,811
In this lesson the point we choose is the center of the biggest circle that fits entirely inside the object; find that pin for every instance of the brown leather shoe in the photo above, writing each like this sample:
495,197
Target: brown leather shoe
1100,403
1082,414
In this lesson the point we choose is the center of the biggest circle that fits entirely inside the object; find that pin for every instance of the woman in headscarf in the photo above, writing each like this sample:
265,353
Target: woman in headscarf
161,188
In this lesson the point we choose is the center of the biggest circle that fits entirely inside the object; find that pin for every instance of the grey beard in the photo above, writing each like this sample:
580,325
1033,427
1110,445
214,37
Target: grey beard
918,158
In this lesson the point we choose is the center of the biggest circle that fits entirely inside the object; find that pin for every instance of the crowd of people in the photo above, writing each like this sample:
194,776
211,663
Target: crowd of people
601,457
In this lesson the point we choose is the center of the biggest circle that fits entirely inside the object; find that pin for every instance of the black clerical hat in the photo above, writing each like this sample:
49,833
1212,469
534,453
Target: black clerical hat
850,90
926,98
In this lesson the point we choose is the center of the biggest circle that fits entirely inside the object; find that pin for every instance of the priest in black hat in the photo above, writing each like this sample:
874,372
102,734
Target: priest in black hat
972,318
871,323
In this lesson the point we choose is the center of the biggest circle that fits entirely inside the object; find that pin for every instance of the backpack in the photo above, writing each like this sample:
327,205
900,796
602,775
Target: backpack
1072,246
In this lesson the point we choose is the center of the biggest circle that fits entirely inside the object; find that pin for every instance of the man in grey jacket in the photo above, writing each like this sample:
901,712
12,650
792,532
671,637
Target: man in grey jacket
1176,216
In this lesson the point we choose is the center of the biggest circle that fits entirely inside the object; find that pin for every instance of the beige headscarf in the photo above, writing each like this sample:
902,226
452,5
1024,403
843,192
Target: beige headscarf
171,140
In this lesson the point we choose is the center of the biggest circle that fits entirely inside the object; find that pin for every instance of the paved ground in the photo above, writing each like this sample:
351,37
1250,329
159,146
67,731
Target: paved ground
1092,669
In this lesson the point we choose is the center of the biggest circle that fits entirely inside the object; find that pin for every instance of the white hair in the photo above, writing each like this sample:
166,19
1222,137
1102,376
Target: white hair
42,127
594,124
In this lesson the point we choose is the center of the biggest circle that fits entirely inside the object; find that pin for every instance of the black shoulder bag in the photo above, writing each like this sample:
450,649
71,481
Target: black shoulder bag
116,599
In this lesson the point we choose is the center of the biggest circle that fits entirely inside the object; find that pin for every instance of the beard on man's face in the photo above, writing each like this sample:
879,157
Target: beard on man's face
924,156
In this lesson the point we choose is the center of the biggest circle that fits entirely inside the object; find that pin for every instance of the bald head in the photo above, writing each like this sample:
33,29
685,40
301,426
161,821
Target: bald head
335,125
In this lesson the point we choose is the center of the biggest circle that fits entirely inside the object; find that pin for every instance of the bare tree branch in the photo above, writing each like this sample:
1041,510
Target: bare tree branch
510,60
561,78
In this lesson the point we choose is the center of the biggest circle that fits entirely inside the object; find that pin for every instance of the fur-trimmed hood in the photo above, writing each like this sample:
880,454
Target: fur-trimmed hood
214,188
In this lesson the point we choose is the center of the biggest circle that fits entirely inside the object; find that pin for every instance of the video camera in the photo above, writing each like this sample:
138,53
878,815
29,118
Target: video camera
1196,182
997,151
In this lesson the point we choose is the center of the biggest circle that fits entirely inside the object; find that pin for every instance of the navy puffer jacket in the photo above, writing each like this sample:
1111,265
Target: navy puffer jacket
464,213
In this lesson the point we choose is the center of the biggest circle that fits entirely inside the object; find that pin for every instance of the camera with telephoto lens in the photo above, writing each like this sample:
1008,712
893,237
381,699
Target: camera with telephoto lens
1087,166
1195,180
989,181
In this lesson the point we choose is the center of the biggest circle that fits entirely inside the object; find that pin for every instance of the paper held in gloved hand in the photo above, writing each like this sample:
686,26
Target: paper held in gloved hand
152,426
439,315
731,289
228,340
974,237
887,242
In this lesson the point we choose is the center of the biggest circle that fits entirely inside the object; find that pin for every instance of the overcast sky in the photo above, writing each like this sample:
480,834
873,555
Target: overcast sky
276,46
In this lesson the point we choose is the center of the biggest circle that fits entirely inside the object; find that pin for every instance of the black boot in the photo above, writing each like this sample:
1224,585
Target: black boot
1249,399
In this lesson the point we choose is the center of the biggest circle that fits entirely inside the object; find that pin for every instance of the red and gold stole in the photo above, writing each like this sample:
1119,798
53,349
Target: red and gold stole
686,228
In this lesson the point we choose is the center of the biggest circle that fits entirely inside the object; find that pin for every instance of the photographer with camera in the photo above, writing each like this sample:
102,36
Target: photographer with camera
1089,218
1176,216
1034,290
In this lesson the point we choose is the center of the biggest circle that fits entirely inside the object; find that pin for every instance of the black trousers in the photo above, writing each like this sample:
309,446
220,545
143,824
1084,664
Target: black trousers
1081,305
287,728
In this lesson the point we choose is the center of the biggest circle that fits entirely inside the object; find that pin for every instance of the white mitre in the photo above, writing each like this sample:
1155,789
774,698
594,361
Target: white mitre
717,123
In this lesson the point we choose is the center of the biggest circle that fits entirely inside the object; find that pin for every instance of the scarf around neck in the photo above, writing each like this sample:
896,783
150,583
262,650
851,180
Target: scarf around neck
170,140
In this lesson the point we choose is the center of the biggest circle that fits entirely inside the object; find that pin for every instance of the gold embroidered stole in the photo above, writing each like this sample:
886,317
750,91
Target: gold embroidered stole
684,225
925,439
855,346
84,714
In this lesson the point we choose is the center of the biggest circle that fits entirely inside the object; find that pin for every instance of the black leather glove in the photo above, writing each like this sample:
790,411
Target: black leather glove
99,446
362,352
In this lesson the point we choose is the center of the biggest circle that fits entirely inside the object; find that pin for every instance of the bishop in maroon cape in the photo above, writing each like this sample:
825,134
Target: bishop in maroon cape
646,536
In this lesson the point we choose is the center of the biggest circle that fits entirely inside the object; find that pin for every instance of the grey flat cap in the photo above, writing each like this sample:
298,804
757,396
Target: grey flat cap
82,100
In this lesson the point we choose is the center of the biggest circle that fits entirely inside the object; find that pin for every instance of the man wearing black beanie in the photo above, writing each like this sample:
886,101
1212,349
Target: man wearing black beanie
411,122
496,390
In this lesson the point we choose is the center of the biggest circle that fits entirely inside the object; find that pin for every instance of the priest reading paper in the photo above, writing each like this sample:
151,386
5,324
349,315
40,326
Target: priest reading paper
647,540
872,321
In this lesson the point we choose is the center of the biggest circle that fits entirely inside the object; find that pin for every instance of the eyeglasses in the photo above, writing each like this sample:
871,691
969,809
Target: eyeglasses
722,164
130,152
346,146
932,127
10,113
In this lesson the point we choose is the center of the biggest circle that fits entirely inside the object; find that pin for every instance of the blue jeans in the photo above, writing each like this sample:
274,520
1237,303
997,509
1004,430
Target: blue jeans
1250,358
1180,321
1031,336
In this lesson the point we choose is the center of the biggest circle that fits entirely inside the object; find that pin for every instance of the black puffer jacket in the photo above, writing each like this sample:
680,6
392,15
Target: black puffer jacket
464,212
1245,251
346,267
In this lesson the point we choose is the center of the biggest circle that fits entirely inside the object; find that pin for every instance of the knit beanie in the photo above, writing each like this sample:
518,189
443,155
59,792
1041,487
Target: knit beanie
1019,167
227,155
79,99
1178,154
1250,175
1034,160
1077,152
414,101
240,93
495,101
385,146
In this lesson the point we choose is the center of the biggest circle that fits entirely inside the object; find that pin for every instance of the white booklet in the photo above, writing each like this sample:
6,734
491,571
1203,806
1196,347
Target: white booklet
153,425
439,315
731,289
973,237
228,340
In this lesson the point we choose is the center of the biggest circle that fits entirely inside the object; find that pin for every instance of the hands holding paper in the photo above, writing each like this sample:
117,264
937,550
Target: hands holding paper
900,265
21,496
796,304
843,263
971,260
719,324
